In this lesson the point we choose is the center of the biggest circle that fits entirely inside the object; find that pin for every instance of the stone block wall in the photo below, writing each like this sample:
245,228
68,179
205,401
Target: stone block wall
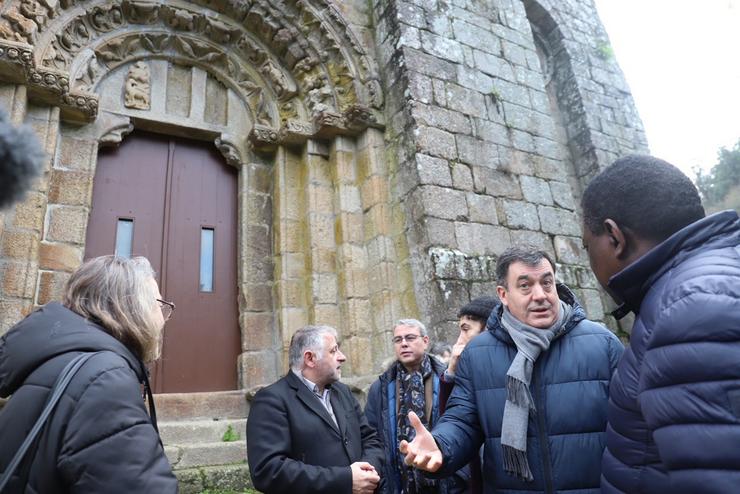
499,111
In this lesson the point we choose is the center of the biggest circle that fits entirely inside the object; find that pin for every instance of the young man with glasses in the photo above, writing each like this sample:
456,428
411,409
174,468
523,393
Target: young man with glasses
410,384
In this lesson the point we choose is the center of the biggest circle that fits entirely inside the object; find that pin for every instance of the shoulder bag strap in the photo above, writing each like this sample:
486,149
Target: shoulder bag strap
56,393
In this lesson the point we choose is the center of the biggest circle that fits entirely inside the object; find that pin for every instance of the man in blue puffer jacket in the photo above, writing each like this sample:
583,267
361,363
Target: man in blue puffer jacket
674,408
532,389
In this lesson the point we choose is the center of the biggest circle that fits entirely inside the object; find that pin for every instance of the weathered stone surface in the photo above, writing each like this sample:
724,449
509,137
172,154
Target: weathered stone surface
539,240
257,330
496,183
67,224
441,118
444,203
559,221
482,209
434,171
59,256
436,142
568,250
562,195
520,214
591,300
51,286
465,101
479,238
536,190
18,279
29,214
20,245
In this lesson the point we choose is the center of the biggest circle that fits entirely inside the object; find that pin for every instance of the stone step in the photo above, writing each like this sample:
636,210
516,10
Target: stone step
223,478
193,406
200,431
183,456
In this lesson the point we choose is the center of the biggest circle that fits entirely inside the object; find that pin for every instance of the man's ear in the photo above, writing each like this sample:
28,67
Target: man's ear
501,292
617,238
309,359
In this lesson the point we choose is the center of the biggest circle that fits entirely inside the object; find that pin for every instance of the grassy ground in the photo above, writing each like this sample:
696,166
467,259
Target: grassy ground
218,491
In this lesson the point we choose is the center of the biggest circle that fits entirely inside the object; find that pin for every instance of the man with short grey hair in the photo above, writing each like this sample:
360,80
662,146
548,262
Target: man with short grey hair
409,385
306,433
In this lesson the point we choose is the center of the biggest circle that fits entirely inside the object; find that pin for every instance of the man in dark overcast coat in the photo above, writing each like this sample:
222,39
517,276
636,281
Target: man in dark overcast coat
306,433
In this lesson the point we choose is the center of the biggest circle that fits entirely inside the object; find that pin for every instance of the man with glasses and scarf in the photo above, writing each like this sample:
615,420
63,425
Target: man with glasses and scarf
532,389
409,386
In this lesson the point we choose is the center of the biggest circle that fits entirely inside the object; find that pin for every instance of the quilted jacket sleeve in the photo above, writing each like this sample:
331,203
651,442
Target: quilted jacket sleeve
110,444
689,389
458,433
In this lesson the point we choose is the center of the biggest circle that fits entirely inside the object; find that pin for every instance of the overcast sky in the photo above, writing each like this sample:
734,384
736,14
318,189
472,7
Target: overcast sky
680,58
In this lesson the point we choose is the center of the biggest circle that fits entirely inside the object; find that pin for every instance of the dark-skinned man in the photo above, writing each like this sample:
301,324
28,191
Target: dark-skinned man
674,409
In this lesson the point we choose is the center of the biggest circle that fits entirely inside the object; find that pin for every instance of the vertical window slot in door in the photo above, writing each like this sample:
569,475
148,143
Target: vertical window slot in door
124,237
206,259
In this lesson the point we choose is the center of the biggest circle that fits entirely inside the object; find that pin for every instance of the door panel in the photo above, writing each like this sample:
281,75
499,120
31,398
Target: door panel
172,189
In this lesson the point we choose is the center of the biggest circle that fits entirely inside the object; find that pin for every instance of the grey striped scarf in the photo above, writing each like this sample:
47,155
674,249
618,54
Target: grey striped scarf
530,342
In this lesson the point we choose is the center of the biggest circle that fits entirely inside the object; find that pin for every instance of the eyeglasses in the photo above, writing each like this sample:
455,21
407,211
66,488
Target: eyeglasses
410,338
167,308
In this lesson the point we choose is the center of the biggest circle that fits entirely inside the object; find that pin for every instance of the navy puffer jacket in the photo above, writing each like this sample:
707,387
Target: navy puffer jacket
674,411
570,389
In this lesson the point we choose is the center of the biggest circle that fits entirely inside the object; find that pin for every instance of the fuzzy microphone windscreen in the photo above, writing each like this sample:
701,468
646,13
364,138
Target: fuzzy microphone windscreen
21,160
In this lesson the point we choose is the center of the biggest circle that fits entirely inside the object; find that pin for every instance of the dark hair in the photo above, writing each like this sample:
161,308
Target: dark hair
527,254
478,309
21,160
649,196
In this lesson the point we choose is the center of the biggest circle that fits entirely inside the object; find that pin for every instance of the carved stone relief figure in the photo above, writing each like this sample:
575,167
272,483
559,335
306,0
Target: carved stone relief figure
252,52
55,58
140,12
318,93
280,81
220,32
35,12
25,29
89,72
75,36
200,50
106,18
181,19
137,87
115,50
6,32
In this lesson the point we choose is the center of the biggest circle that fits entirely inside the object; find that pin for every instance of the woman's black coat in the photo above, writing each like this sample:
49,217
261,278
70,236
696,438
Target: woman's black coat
99,438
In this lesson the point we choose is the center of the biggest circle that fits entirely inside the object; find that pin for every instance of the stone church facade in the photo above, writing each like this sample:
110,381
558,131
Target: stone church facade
383,152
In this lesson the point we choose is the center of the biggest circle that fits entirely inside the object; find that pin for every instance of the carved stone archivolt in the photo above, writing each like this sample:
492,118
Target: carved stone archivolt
291,61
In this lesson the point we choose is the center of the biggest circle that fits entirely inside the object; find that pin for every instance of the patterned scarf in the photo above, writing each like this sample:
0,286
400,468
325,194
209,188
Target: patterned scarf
530,342
412,399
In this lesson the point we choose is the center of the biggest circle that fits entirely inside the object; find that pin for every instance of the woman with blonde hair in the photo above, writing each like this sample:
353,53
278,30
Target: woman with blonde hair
99,438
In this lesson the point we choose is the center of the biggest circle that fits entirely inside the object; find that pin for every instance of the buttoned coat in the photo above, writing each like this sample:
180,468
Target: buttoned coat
294,446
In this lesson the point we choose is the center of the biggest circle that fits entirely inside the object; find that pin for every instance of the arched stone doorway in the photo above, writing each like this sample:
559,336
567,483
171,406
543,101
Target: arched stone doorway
292,101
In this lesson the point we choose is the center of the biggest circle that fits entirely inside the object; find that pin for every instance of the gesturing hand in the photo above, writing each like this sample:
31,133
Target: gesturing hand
364,478
422,452
457,350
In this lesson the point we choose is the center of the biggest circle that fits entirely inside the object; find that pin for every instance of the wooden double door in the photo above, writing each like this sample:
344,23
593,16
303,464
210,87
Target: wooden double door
174,201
